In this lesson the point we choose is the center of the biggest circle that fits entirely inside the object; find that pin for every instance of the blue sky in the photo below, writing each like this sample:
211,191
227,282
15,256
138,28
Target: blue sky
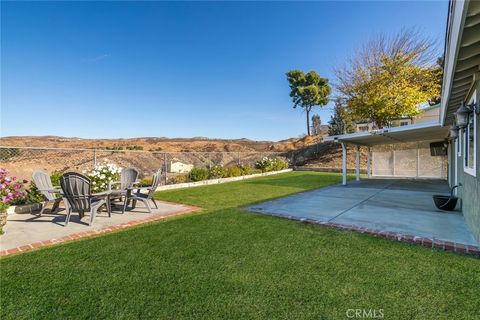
214,69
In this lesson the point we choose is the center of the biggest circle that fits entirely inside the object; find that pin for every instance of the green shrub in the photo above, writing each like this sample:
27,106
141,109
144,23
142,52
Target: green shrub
55,177
268,164
247,170
134,147
279,164
181,179
145,182
198,174
235,171
114,148
177,179
218,171
33,195
265,164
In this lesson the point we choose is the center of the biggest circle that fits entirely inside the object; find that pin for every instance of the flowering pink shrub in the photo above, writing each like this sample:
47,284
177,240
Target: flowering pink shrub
11,189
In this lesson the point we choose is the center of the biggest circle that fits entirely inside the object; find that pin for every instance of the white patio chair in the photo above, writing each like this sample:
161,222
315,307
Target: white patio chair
44,185
144,197
127,179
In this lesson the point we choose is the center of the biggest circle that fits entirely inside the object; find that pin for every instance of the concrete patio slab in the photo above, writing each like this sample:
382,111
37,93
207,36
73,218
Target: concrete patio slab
399,206
394,198
344,193
330,209
23,230
423,223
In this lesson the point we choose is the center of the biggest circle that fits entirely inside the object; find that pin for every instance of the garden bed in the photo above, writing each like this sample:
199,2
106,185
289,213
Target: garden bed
24,208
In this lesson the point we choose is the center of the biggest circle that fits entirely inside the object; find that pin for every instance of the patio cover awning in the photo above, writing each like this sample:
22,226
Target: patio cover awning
424,131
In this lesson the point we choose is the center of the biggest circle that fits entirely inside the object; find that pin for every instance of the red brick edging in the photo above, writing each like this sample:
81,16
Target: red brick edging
90,233
423,241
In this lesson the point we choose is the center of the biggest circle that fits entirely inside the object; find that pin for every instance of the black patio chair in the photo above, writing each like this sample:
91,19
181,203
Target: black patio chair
76,190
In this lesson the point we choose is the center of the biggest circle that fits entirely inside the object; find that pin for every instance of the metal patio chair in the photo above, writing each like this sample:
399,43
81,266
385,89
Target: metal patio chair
76,189
44,185
144,197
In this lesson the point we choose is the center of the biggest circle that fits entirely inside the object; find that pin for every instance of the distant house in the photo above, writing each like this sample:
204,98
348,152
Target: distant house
428,113
324,128
179,167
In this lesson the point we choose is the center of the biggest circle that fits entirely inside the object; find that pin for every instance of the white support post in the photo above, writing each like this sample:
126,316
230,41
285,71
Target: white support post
448,159
393,152
418,162
369,154
357,163
344,163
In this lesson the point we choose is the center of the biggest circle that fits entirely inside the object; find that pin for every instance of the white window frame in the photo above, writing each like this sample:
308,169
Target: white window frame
466,140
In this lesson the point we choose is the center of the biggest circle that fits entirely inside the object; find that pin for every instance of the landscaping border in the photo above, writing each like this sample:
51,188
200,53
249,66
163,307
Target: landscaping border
218,181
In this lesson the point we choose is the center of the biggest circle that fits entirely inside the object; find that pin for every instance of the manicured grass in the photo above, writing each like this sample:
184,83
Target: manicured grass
229,264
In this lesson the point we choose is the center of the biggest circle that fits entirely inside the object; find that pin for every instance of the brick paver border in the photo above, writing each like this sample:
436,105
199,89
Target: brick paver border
423,241
85,234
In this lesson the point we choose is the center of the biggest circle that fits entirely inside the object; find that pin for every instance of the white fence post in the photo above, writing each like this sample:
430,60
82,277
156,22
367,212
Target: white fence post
165,166
369,155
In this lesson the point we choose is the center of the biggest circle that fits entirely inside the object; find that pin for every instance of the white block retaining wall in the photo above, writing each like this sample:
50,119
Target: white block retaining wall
217,181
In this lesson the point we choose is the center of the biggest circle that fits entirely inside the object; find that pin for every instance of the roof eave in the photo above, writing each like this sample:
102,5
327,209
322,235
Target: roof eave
456,21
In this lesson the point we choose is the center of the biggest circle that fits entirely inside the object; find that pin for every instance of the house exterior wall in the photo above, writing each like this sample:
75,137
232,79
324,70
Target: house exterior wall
469,192
364,127
471,185
430,114
401,122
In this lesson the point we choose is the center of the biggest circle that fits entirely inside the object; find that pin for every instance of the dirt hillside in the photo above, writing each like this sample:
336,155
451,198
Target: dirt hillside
200,152
197,144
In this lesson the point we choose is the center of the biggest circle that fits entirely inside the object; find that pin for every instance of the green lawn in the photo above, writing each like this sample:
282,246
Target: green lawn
229,264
